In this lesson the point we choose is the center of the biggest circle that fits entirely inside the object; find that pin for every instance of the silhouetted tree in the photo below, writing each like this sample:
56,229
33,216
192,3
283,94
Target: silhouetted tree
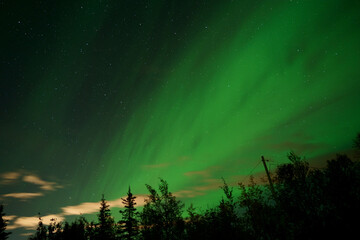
54,230
259,218
161,217
296,197
216,223
105,230
229,222
41,231
306,203
317,203
3,223
129,220
91,230
357,141
342,195
193,224
77,230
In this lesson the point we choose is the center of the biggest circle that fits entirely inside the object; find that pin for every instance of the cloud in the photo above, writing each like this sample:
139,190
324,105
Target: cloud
30,223
83,208
9,217
203,173
188,193
207,182
12,177
45,185
26,234
210,184
9,177
23,196
24,222
93,207
140,201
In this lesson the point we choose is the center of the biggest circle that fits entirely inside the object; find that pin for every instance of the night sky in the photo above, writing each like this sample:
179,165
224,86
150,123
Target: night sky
98,95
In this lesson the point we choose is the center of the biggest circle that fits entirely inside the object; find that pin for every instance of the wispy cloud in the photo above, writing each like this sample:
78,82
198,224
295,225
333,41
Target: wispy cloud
140,201
30,223
21,176
9,177
93,207
203,173
209,184
83,208
45,185
26,234
9,217
12,177
23,196
188,193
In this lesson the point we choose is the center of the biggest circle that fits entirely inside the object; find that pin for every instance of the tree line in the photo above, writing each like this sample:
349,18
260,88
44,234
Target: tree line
303,203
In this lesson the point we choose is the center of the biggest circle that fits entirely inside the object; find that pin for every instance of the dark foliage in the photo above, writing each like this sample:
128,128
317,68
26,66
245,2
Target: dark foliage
105,228
75,230
3,223
161,217
41,231
129,222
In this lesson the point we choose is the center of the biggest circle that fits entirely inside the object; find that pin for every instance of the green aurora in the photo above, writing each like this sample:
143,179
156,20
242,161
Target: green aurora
100,95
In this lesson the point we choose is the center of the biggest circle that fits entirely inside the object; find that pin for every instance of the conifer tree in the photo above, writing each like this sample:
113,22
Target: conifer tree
3,223
129,217
91,230
106,222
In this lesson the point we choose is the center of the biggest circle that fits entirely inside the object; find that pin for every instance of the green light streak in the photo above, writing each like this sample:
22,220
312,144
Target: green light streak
127,93
286,71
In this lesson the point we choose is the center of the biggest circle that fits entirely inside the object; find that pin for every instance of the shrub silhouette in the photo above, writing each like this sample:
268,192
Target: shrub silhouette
161,217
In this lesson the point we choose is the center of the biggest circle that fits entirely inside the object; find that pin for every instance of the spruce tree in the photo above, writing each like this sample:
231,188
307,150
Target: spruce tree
3,223
129,217
105,229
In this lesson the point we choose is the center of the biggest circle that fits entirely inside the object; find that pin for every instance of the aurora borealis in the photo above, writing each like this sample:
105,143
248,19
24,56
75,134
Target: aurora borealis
99,95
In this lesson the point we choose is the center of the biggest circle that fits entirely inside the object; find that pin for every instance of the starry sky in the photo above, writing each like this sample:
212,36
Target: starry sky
98,95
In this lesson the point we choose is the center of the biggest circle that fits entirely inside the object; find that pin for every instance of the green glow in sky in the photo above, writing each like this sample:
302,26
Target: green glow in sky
111,93
286,74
